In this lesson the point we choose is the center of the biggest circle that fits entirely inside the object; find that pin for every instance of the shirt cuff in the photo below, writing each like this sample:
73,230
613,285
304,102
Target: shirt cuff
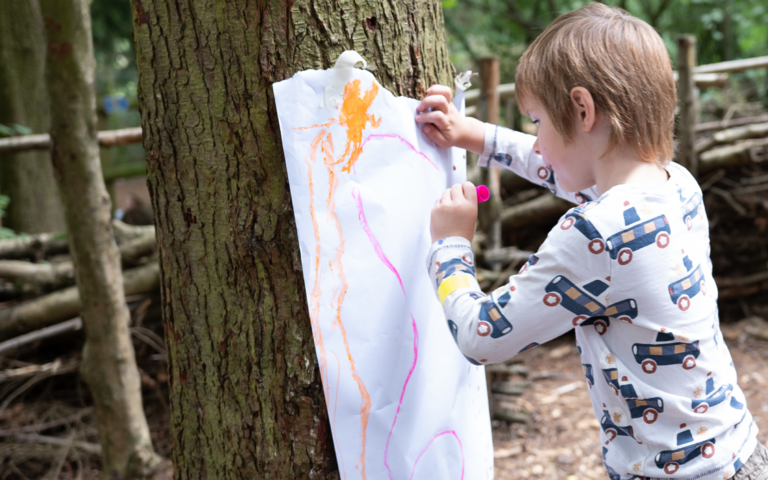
490,145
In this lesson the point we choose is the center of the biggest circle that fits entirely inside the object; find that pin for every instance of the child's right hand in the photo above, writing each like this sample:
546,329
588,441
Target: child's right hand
445,125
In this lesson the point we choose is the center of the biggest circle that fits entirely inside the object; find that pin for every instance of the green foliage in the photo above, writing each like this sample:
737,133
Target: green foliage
13,130
6,233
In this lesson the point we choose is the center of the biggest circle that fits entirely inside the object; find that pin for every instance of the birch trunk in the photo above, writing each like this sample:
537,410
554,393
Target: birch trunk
109,366
246,398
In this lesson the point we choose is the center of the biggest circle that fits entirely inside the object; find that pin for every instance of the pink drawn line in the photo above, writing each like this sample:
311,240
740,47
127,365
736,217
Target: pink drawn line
398,137
376,246
447,432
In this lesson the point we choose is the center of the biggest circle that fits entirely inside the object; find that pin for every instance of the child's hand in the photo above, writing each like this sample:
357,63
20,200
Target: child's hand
445,125
455,214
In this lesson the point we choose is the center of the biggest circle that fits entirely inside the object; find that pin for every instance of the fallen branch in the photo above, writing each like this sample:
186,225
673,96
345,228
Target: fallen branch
730,156
756,130
87,447
57,367
34,246
742,281
540,208
42,141
60,305
720,124
40,427
52,331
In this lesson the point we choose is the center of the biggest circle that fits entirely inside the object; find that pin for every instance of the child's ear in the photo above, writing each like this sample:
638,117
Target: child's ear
584,107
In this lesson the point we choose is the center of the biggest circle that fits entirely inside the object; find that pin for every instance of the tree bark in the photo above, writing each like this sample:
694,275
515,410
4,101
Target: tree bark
27,178
109,365
246,396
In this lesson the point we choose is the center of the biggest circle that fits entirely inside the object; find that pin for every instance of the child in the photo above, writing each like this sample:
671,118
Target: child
629,267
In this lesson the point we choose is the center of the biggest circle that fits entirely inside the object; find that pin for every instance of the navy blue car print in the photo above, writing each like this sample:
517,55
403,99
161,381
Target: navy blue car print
561,291
612,474
576,218
683,290
492,321
650,356
455,333
647,408
691,208
446,269
670,460
714,397
532,260
611,376
612,430
621,245
587,368
503,158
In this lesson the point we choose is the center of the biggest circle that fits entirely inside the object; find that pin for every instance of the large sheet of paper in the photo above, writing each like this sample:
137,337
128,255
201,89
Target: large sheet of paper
402,401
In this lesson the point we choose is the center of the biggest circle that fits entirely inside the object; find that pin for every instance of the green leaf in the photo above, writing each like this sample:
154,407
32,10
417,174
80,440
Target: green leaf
21,129
6,131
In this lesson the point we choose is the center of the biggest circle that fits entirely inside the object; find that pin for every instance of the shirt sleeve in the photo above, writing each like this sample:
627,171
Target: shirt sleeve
560,286
505,148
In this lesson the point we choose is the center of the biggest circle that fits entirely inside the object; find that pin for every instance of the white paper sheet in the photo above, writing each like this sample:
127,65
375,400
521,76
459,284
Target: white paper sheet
402,401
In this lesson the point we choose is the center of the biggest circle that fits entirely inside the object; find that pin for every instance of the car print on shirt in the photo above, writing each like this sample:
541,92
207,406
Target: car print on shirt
532,260
548,175
611,376
561,291
612,430
612,474
575,218
452,266
529,347
682,291
491,321
691,208
502,158
647,408
671,460
587,368
455,334
714,397
650,356
621,245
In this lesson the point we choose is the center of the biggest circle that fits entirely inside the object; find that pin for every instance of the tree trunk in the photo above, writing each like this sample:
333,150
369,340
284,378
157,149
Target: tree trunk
246,396
109,365
27,177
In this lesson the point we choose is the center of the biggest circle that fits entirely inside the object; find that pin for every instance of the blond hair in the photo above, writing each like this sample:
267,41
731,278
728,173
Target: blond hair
624,65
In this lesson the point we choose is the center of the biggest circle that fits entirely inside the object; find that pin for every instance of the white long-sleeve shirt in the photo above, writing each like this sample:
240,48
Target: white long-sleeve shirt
630,270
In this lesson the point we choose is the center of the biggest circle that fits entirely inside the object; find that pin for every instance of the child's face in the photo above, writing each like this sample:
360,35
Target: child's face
572,162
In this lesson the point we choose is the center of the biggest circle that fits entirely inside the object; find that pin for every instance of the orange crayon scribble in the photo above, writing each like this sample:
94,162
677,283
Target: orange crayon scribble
354,115
327,124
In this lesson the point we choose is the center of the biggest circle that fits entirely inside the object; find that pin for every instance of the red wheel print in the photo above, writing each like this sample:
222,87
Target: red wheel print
567,223
688,222
625,256
596,246
702,408
483,329
689,362
551,299
611,434
579,198
708,450
601,327
649,366
578,320
625,319
650,416
703,289
467,260
662,240
671,468
543,173
683,303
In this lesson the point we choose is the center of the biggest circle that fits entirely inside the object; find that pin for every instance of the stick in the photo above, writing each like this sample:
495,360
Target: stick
742,281
730,155
92,448
64,327
736,206
703,127
42,141
54,368
48,425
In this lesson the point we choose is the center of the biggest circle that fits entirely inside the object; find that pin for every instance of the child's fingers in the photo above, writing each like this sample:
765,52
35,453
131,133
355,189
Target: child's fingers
440,90
446,198
470,192
437,102
437,118
457,193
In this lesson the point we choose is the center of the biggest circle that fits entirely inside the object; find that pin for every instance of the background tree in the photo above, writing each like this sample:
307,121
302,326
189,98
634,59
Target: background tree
27,177
246,398
108,364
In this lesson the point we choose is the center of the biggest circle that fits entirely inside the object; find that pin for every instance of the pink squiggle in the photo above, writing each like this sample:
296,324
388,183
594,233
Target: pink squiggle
446,432
376,246
398,137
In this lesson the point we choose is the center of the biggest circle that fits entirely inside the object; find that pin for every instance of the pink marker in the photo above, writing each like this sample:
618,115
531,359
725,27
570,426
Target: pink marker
482,193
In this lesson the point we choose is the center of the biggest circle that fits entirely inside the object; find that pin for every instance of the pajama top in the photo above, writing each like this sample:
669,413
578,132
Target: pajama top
630,271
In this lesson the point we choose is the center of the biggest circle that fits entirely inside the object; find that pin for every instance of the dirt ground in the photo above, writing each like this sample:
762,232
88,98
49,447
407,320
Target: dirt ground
562,439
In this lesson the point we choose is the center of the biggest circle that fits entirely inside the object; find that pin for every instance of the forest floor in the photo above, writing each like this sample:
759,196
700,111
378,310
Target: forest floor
562,439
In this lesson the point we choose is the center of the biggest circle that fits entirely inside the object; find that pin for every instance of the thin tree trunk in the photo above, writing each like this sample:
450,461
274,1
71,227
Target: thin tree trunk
246,397
109,365
27,178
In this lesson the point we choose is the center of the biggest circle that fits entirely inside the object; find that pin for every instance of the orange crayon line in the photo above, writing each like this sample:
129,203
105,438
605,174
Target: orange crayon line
354,114
327,124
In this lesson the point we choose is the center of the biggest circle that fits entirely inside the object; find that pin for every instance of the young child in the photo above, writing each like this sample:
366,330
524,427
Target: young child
629,267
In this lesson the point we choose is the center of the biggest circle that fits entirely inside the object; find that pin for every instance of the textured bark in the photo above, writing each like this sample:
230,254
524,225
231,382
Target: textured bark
27,178
246,398
109,365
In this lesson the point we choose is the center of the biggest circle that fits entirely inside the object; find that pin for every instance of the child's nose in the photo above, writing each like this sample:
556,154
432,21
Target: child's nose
536,147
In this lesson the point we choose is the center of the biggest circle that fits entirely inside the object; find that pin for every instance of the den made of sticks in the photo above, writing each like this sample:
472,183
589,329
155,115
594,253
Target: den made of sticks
157,317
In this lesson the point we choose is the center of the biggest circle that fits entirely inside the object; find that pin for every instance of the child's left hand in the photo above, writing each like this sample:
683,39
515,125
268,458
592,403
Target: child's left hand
455,214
